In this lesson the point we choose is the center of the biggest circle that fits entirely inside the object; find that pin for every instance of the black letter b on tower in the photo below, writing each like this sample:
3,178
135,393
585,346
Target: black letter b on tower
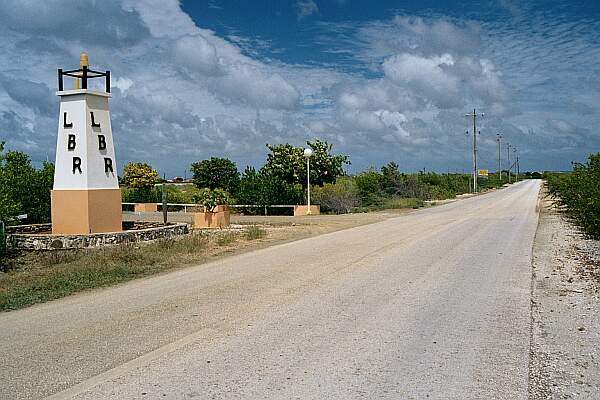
101,142
71,143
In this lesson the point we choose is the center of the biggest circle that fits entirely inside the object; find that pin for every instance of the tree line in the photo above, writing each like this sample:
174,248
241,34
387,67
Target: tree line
281,180
25,189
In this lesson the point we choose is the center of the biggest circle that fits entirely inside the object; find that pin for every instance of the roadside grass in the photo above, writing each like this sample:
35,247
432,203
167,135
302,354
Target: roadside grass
397,203
394,203
227,238
44,276
255,232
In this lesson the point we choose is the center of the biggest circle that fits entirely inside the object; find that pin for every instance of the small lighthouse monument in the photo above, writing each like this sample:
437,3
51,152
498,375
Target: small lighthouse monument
86,197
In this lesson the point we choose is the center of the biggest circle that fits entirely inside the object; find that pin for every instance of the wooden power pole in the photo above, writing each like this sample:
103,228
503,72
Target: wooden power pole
474,115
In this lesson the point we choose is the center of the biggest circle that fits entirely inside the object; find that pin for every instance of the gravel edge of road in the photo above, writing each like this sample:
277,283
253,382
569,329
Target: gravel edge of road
565,294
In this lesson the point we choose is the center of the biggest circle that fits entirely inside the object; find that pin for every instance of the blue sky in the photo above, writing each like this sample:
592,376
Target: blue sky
382,81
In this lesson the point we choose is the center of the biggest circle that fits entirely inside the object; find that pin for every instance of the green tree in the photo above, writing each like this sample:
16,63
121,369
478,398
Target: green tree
139,175
260,188
326,166
391,179
369,184
216,173
8,208
250,189
140,179
287,163
23,188
39,209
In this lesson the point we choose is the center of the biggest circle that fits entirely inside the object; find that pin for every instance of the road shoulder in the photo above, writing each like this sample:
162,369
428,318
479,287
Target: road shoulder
564,357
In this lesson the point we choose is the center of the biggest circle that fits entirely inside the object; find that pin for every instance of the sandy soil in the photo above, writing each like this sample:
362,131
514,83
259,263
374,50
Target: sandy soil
282,229
288,227
565,358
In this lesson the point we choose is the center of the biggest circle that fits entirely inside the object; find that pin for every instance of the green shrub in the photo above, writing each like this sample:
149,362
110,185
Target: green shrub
375,189
209,199
179,194
579,192
339,197
139,195
263,189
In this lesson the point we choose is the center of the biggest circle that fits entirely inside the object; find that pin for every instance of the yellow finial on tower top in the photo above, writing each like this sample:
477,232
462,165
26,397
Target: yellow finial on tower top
83,60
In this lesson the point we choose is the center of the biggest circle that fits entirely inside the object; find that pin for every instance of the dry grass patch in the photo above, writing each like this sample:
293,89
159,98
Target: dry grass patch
255,232
44,276
227,238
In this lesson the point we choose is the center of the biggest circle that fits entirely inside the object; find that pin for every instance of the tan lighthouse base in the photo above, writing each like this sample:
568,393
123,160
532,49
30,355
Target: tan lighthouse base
80,212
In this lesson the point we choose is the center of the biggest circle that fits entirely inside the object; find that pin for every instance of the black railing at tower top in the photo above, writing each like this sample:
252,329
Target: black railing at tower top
83,73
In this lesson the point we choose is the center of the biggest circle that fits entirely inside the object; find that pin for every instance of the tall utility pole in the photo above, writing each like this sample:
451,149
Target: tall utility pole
516,163
464,171
508,157
499,139
474,115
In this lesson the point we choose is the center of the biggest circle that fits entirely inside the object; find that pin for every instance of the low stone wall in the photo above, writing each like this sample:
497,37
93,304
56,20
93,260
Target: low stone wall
138,225
29,229
20,241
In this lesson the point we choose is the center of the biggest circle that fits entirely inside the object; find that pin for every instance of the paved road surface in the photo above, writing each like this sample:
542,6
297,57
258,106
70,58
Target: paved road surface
435,304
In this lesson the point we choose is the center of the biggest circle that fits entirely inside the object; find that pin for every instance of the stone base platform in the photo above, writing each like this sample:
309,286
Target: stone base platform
38,241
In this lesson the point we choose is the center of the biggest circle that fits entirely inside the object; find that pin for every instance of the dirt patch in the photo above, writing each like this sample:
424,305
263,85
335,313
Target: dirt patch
282,229
565,360
323,220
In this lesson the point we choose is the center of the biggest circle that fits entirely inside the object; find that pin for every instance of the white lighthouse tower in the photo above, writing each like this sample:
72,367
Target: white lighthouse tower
86,197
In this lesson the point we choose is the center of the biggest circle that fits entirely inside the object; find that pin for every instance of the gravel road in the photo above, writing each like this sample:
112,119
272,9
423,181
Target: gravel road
434,304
